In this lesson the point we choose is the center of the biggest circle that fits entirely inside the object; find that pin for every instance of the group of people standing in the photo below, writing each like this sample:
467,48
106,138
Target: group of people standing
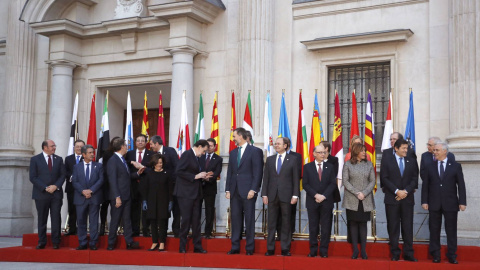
151,185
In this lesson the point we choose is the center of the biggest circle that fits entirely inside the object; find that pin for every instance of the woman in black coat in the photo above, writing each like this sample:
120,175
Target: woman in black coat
157,189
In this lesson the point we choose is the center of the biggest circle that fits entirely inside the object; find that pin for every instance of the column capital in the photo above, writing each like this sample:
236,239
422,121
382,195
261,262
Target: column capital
65,63
183,50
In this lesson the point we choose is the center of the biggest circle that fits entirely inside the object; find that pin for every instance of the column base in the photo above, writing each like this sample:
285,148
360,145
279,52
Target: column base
16,152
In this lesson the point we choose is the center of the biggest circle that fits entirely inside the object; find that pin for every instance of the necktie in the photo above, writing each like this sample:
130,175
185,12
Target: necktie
139,156
87,174
320,172
125,163
78,159
207,161
434,159
279,164
401,166
239,155
50,163
442,170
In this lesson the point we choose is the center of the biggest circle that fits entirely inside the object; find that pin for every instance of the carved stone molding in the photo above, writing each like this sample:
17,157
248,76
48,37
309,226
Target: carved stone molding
129,8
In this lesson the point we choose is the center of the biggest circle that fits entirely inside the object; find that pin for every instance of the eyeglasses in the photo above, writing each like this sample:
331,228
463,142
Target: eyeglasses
321,152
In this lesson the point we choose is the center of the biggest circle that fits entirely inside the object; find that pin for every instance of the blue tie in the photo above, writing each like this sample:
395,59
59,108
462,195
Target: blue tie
401,166
125,163
279,164
442,170
78,159
87,174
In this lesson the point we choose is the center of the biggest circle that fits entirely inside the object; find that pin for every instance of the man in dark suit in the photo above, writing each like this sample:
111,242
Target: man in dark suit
119,181
171,160
70,162
244,176
428,157
188,190
47,174
281,188
443,193
400,177
142,156
211,162
391,152
334,161
319,183
87,181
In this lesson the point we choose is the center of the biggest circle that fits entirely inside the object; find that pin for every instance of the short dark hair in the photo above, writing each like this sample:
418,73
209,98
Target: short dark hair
154,160
202,143
399,143
156,139
242,132
141,135
110,147
117,144
326,145
86,147
78,140
212,140
356,149
400,136
287,141
44,144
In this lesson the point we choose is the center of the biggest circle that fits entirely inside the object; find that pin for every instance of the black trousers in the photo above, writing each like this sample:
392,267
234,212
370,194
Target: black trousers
320,215
400,216
292,220
191,217
103,213
159,230
209,201
435,225
176,216
72,213
54,206
276,210
117,214
90,210
138,214
243,209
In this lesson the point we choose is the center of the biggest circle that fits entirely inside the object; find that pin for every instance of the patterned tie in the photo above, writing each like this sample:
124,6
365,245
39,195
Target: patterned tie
320,172
279,164
239,155
87,174
78,159
401,167
139,156
50,163
125,163
442,170
207,161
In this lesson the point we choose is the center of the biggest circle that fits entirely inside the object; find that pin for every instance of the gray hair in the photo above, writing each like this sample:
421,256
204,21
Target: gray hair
156,139
444,145
86,147
435,139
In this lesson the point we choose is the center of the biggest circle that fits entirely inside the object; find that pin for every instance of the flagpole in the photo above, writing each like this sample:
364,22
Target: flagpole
76,127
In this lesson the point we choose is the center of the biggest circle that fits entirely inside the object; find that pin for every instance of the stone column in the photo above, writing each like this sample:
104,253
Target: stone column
256,32
182,79
16,137
464,138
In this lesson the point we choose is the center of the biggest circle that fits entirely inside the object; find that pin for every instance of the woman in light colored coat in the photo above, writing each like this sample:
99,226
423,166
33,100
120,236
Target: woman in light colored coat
359,181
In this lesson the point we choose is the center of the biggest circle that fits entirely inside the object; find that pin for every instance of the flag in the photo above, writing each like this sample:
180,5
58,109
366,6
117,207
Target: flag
214,131
233,124
388,130
410,128
161,120
354,125
183,140
104,137
267,128
370,137
283,127
129,125
316,133
73,128
247,119
92,126
200,130
302,145
337,142
145,127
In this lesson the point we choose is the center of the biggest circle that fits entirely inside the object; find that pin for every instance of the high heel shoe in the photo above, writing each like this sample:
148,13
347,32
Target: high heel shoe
161,249
355,254
154,248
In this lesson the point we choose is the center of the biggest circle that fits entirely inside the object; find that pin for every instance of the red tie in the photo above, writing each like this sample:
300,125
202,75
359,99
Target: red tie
208,161
320,172
50,164
139,156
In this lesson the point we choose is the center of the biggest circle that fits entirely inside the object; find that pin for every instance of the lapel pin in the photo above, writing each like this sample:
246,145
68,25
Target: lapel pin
449,164
326,167
407,161
287,158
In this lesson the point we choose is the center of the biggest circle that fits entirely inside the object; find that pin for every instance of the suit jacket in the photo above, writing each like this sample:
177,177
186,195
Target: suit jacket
171,161
132,156
393,180
389,153
285,184
246,176
119,178
41,177
215,166
94,184
70,162
334,161
187,186
312,185
427,159
447,193
299,163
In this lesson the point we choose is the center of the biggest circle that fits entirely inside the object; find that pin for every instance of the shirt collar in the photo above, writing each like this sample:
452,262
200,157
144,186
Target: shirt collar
45,154
244,146
86,162
444,161
120,156
317,163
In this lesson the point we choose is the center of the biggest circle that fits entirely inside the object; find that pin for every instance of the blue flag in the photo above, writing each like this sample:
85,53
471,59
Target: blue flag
283,127
410,129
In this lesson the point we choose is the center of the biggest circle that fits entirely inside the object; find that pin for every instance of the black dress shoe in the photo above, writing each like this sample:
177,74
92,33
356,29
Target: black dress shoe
147,235
208,237
81,247
133,245
233,251
70,233
56,246
323,255
410,259
436,260
311,255
203,251
93,247
182,251
110,247
40,246
249,252
286,253
453,261
270,253
135,234
395,258
277,238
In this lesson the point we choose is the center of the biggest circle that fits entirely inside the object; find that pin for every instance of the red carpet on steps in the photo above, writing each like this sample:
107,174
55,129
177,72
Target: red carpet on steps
339,255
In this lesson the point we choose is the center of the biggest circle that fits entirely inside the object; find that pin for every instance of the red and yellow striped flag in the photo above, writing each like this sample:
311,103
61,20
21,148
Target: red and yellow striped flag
145,130
370,137
233,124
214,133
